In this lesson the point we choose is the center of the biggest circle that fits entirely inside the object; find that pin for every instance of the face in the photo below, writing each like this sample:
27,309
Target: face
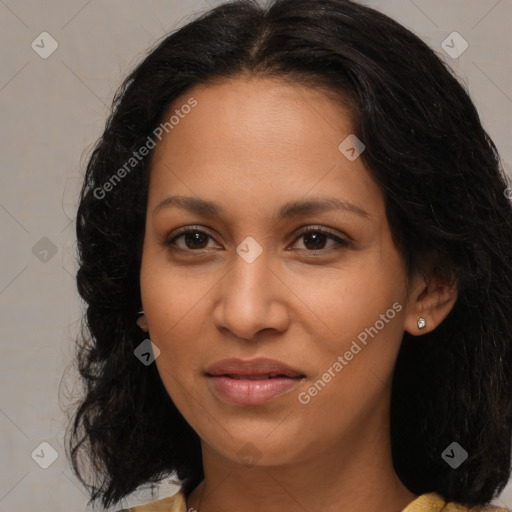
292,260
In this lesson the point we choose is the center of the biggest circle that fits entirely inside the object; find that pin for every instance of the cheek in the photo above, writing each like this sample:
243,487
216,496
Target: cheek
361,312
171,296
174,312
345,302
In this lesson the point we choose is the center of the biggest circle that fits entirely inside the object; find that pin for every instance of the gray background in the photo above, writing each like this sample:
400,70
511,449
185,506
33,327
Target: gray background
52,111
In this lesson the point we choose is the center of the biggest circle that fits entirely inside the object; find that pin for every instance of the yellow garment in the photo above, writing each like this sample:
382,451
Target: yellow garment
431,502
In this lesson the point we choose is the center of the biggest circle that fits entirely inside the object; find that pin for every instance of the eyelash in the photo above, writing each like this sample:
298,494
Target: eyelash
342,243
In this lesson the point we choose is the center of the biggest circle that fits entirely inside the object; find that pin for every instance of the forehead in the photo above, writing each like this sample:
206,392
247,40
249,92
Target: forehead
259,111
256,136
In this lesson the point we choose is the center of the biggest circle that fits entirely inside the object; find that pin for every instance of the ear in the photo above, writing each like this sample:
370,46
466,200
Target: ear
142,322
431,298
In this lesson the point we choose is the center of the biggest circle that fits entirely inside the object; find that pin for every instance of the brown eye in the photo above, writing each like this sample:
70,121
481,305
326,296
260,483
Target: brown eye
194,239
315,240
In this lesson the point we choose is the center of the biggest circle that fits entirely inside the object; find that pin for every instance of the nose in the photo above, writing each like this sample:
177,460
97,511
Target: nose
251,298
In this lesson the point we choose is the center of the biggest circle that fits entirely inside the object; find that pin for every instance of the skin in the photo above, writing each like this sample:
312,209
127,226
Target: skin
250,145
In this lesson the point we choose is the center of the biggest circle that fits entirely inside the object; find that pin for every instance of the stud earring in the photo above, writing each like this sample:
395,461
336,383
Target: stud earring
421,323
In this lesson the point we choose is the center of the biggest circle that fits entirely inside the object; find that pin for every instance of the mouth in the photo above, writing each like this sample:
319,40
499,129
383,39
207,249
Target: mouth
254,382
257,377
254,369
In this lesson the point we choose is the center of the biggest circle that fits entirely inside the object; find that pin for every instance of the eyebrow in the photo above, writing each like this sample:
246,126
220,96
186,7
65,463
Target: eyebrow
287,210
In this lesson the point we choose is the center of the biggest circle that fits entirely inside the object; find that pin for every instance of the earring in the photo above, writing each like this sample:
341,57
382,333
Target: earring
421,323
141,312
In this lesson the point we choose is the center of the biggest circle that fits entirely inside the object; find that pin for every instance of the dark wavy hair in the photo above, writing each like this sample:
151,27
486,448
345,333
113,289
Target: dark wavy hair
444,188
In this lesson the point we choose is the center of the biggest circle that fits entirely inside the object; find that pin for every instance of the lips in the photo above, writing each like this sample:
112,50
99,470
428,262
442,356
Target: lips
256,377
254,369
253,382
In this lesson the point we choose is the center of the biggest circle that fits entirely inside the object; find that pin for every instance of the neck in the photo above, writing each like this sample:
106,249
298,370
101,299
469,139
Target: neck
357,474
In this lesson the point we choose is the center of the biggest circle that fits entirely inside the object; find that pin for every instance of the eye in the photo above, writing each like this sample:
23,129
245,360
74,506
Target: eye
193,240
316,238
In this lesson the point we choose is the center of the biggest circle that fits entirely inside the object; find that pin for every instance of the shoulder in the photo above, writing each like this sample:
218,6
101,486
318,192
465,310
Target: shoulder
433,502
174,503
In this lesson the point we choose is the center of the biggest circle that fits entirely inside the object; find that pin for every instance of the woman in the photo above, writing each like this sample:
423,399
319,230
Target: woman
295,248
